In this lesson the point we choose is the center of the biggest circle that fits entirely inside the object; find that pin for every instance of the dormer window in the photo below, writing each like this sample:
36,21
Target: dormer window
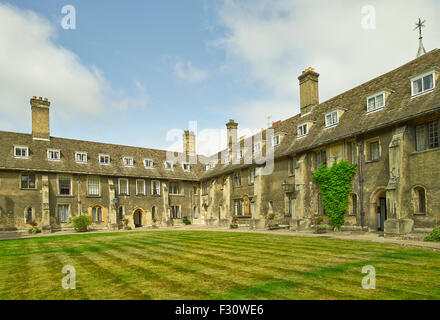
148,163
331,119
257,147
168,165
302,130
212,164
21,152
186,167
104,159
276,140
128,161
240,154
207,166
423,83
81,157
53,155
376,102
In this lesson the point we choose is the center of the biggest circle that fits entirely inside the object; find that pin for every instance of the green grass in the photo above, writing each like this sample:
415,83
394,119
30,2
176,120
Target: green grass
212,265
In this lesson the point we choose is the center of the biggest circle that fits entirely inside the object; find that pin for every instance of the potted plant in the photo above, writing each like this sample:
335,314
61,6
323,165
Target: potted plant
234,223
319,226
272,224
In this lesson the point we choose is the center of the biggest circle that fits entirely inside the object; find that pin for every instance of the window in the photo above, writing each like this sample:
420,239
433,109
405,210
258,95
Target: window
123,186
174,188
121,213
128,161
93,188
237,179
276,140
104,159
97,214
195,216
168,165
421,200
374,151
292,167
291,199
186,167
257,148
321,158
376,102
148,163
53,155
331,119
207,166
153,213
238,207
354,205
240,154
422,84
28,181
175,212
21,152
29,215
352,152
140,187
63,213
212,164
251,176
65,185
427,136
81,157
204,187
302,130
155,187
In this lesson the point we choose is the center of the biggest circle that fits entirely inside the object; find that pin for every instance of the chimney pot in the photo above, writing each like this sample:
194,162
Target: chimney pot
308,89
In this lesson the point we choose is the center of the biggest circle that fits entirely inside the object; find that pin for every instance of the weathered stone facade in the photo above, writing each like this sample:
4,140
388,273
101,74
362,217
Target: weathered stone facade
395,146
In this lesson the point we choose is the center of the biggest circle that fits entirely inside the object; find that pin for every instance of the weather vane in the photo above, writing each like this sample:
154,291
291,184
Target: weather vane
419,25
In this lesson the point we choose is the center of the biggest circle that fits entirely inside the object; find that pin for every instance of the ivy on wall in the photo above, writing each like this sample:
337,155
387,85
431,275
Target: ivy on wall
335,186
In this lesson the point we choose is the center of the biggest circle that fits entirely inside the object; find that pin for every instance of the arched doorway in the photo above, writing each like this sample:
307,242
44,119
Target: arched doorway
137,218
378,209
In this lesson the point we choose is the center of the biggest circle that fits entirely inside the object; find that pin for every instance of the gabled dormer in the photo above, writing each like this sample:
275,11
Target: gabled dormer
304,128
424,82
377,100
332,118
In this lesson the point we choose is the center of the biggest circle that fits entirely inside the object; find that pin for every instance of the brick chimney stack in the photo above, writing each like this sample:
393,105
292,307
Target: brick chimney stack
40,118
308,90
189,143
232,128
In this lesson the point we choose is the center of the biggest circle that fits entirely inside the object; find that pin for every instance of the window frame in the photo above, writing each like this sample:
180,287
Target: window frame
128,164
68,213
102,214
88,186
329,125
175,214
303,132
49,151
21,157
77,153
252,176
375,96
186,164
257,150
127,186
28,174
422,77
158,187
171,167
70,188
105,156
278,138
173,186
144,192
147,161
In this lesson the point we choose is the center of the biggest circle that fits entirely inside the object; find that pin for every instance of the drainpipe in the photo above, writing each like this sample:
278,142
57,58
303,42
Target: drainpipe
361,183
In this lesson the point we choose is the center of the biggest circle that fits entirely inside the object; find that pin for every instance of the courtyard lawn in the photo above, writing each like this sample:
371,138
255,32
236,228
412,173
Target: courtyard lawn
212,265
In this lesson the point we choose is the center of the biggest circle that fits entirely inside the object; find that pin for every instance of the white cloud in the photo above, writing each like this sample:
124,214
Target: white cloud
187,72
277,40
31,63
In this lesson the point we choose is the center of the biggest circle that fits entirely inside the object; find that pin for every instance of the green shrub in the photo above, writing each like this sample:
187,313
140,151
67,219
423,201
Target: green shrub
434,235
81,223
271,216
186,220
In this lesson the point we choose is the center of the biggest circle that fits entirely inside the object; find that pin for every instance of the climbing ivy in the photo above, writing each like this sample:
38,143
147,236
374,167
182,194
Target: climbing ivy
335,186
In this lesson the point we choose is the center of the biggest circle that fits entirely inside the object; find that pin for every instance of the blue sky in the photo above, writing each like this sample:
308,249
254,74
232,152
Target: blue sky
132,71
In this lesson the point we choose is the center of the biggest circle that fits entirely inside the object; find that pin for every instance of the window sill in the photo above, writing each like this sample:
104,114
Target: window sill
92,196
176,195
372,161
375,110
65,196
141,195
424,151
422,93
29,189
420,214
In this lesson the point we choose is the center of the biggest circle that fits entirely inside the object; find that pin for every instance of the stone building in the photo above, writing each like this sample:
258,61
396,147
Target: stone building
389,127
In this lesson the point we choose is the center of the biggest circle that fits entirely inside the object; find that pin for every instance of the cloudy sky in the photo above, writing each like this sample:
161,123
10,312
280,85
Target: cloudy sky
138,72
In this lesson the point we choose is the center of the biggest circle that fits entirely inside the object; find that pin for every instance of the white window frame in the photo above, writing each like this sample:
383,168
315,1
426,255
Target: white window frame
374,96
331,124
82,154
211,164
23,148
274,142
303,132
53,151
207,167
68,212
257,150
433,73
159,186
127,186
171,167
99,187
143,193
188,169
147,161
128,161
71,185
104,163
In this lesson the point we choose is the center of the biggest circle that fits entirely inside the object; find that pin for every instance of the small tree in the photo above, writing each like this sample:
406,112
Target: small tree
335,186
81,223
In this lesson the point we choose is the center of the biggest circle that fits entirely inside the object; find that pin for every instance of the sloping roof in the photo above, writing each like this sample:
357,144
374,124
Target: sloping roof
38,158
400,106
